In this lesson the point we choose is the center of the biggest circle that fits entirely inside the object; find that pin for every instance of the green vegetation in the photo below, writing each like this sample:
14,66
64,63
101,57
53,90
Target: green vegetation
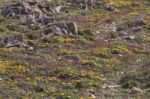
69,66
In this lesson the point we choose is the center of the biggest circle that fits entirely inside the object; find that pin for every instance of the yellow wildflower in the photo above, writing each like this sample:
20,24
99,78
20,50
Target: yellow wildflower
62,94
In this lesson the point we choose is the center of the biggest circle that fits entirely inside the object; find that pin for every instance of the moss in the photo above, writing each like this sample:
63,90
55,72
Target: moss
121,49
2,18
102,52
120,3
87,34
90,63
131,84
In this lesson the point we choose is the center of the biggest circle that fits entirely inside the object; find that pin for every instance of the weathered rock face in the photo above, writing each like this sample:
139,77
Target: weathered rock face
45,20
70,27
62,28
111,8
137,23
33,12
136,90
36,13
17,9
14,41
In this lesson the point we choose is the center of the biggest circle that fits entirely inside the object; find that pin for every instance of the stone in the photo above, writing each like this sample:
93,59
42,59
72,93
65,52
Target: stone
123,33
10,11
30,21
1,79
135,4
72,27
58,31
16,10
46,20
139,22
136,29
129,37
92,96
57,9
111,8
136,90
91,93
105,86
13,41
64,28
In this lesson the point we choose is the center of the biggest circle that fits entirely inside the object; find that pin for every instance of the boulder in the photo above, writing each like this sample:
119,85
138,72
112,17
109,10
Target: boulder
91,94
129,37
111,8
135,4
57,9
10,11
21,8
136,90
30,20
137,23
14,41
1,79
60,29
46,20
63,28
72,27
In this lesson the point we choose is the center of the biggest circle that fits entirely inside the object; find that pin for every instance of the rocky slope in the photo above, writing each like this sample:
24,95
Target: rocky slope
75,49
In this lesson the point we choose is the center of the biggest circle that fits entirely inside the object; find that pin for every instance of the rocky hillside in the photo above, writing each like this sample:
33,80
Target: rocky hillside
75,49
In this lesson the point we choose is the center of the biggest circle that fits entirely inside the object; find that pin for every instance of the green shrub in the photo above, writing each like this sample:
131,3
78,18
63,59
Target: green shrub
1,18
131,84
113,35
121,49
130,81
148,85
87,34
102,52
89,62
81,84
2,28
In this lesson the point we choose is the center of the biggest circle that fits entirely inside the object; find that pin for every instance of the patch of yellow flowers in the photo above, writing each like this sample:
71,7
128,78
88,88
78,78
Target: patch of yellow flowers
7,67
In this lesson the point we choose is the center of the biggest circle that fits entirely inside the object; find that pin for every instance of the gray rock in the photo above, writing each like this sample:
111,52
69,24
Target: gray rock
14,41
72,27
111,8
58,31
16,10
1,79
136,90
57,9
135,4
30,21
136,29
46,20
10,11
91,93
110,86
124,33
63,28
137,23
129,37
30,48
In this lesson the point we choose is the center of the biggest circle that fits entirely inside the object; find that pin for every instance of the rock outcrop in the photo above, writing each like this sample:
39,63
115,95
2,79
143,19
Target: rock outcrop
37,13
16,10
34,12
62,28
14,41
